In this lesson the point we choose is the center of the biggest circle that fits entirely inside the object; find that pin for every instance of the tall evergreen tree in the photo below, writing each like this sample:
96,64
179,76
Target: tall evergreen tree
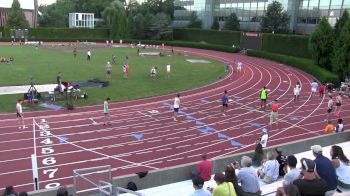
341,23
115,18
275,19
195,22
215,25
321,44
341,57
16,18
232,23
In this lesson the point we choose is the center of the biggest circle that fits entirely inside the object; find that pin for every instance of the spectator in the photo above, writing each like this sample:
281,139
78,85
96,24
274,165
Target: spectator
62,191
329,127
342,166
204,169
282,160
291,190
198,183
258,153
270,171
308,182
23,194
292,175
248,178
340,126
325,169
9,191
230,174
224,188
264,138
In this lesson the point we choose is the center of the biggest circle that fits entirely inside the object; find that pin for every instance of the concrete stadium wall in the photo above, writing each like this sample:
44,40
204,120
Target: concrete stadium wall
182,172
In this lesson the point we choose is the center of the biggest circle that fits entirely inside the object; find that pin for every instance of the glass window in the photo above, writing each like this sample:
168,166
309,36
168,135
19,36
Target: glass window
313,4
261,5
346,4
246,6
253,6
336,4
304,4
324,4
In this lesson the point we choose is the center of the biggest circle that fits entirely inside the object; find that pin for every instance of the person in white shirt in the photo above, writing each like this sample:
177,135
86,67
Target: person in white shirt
88,55
198,183
239,66
264,138
176,106
168,70
297,90
340,126
314,87
153,73
292,175
342,166
20,115
108,70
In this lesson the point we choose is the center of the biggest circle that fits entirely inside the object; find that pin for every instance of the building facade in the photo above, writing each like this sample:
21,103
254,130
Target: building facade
81,20
29,8
304,14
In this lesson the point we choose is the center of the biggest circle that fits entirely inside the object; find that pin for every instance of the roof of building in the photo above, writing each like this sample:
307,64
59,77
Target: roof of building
25,4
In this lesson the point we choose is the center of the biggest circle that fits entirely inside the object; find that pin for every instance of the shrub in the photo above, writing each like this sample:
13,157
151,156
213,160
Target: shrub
226,38
63,33
306,65
291,45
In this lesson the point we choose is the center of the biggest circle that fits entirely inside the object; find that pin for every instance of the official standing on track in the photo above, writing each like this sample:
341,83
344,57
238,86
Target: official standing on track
263,97
107,119
297,90
176,106
274,113
20,115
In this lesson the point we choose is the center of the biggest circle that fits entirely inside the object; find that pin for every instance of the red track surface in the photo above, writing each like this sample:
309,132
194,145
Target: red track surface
165,142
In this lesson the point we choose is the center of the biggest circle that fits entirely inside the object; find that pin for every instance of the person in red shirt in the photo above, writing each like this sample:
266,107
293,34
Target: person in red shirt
204,168
321,90
274,113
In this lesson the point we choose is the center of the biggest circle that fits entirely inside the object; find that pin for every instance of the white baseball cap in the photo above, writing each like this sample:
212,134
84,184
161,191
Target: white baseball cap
316,148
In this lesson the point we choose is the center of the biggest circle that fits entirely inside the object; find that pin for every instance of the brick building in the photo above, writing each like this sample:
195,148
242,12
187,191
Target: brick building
28,7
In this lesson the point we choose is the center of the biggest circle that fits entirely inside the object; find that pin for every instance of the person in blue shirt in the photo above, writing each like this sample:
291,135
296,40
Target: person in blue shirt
224,103
198,183
324,168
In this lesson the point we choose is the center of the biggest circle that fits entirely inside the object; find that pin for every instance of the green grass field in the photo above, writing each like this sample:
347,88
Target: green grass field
43,63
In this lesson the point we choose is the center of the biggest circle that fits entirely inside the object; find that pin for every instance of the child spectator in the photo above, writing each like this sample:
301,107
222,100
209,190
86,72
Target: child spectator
292,175
329,128
9,191
198,183
342,166
340,126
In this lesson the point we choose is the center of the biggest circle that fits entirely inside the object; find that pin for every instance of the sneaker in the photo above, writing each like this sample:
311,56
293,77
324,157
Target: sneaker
24,127
224,114
175,119
19,127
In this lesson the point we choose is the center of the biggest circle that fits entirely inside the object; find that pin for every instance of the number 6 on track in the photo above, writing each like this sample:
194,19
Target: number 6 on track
49,161
51,172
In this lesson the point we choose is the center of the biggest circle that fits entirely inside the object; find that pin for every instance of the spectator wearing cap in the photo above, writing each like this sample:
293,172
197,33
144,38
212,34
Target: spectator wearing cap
198,183
282,160
204,168
274,113
342,166
292,175
248,178
309,183
270,171
224,188
325,169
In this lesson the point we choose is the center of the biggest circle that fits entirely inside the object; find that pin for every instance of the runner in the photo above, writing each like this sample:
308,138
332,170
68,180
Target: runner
176,106
168,66
20,115
263,97
107,119
88,55
274,113
321,89
108,70
75,52
338,102
239,66
314,86
224,103
114,59
126,71
153,73
297,90
330,108
227,67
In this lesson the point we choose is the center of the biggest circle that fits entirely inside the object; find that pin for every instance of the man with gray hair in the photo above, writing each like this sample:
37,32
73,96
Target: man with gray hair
270,171
248,178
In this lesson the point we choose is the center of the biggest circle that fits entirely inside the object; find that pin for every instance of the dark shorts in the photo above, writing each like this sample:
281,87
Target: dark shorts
108,72
338,104
19,115
106,114
176,109
225,105
263,100
329,110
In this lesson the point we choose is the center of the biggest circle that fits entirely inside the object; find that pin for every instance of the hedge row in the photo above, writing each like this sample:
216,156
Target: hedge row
77,33
226,38
291,45
306,65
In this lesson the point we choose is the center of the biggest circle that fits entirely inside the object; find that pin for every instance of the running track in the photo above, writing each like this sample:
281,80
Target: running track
165,142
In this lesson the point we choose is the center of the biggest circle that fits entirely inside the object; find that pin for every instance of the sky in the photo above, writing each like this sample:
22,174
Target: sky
26,4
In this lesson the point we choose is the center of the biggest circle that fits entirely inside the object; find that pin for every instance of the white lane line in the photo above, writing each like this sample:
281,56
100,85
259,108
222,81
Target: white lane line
145,152
163,149
183,146
152,141
169,160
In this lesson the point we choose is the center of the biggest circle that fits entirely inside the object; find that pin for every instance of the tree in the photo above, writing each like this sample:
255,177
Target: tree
215,25
139,26
16,18
195,22
160,27
321,44
341,23
232,23
341,57
275,19
115,19
56,15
